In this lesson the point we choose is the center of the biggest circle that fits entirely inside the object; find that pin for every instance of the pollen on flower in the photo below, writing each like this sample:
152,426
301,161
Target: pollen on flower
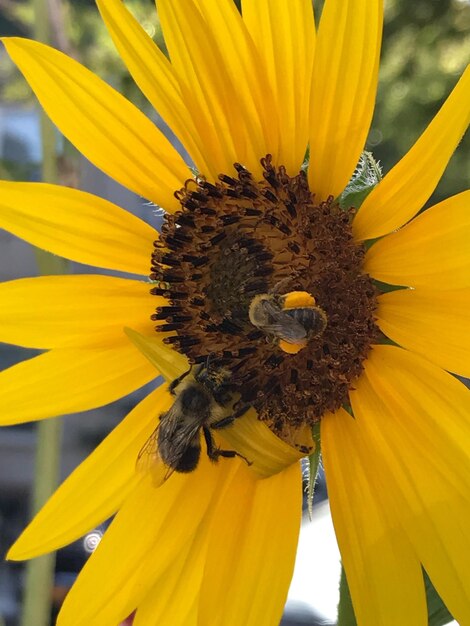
239,238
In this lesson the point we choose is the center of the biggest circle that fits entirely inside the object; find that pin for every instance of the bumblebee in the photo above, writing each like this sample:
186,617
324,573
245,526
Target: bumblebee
201,401
293,318
301,306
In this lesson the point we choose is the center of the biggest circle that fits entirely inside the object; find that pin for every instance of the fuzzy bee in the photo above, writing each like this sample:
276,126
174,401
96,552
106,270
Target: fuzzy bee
201,400
293,318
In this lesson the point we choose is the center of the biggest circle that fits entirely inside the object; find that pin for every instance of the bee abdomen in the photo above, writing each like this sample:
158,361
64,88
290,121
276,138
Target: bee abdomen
189,460
313,319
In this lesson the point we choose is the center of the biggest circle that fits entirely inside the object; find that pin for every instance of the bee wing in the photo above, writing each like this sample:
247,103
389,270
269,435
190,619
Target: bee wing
149,461
173,433
148,452
283,325
179,434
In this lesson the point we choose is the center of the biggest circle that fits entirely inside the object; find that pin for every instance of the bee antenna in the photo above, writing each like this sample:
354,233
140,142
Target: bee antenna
209,358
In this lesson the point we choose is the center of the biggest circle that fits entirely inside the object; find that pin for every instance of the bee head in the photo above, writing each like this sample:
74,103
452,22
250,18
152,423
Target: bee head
215,379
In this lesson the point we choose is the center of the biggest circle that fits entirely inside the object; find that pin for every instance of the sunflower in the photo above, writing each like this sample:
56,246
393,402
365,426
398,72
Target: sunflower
246,94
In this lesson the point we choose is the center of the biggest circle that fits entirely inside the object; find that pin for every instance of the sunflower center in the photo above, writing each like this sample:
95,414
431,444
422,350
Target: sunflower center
240,238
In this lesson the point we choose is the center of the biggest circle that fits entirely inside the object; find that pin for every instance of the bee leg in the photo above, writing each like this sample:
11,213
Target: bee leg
214,453
240,410
223,423
226,421
177,381
212,450
230,454
280,285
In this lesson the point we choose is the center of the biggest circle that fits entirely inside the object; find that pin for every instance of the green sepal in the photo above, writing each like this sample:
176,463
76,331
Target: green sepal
306,161
438,614
386,288
365,177
346,615
313,467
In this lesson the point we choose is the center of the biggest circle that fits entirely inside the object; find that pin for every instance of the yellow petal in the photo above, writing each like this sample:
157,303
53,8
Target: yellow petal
77,226
284,35
216,62
344,84
432,323
384,575
174,599
414,418
247,74
405,189
153,73
102,124
267,453
70,380
197,64
97,488
74,311
431,251
167,361
153,527
422,401
253,541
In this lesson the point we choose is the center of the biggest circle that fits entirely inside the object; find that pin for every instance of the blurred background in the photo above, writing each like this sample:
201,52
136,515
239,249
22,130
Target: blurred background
426,46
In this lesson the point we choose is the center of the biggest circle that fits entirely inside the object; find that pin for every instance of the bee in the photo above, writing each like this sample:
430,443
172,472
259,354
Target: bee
200,403
293,318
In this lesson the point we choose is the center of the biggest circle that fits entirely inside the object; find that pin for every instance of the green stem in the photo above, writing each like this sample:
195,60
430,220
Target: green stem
40,572
37,599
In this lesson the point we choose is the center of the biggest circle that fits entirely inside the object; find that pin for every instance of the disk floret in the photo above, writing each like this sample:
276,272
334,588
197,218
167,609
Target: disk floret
239,238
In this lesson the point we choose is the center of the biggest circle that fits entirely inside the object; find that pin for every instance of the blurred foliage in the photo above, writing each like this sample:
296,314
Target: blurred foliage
96,50
79,32
425,49
12,170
